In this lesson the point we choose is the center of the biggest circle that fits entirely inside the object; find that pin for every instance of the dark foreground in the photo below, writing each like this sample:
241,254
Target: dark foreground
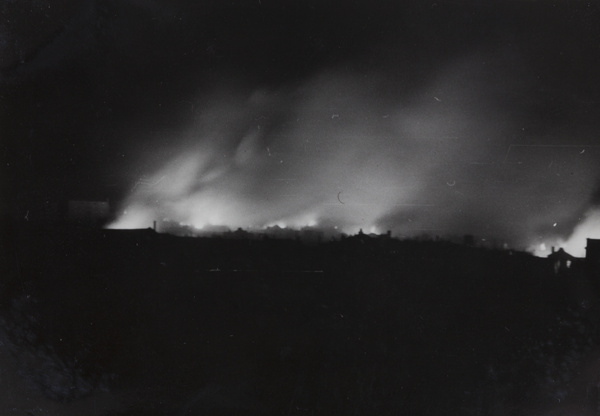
135,323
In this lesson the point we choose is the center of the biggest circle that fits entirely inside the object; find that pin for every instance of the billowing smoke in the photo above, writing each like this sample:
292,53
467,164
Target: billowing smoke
585,225
443,119
356,151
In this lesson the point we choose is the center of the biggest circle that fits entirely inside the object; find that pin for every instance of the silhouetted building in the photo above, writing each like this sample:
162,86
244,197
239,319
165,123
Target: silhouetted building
210,230
239,234
277,232
371,239
592,254
561,260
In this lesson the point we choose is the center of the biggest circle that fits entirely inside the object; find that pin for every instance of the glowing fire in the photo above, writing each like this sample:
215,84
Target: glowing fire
343,150
233,170
575,244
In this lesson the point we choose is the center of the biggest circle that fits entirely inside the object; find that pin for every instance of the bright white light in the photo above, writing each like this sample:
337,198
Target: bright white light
136,216
575,244
589,228
542,249
226,172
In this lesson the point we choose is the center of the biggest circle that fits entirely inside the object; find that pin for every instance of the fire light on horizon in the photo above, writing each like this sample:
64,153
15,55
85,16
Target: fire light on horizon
341,150
574,244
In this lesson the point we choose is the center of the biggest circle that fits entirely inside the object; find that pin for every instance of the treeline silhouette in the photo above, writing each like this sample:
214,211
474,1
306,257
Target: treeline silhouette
359,326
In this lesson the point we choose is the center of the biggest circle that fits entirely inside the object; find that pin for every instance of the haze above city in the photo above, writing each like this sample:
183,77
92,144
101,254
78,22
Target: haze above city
438,118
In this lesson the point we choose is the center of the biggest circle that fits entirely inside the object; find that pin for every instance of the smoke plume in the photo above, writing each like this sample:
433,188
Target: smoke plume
369,151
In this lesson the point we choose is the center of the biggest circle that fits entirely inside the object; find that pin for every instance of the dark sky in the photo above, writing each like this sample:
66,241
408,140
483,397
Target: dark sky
445,117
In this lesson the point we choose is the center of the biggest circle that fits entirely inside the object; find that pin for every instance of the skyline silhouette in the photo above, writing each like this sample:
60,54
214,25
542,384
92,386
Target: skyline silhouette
269,207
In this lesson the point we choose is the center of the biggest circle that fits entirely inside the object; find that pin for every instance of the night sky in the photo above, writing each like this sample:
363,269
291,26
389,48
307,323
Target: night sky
434,117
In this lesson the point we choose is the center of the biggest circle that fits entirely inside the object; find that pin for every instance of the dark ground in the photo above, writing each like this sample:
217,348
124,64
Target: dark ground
137,323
